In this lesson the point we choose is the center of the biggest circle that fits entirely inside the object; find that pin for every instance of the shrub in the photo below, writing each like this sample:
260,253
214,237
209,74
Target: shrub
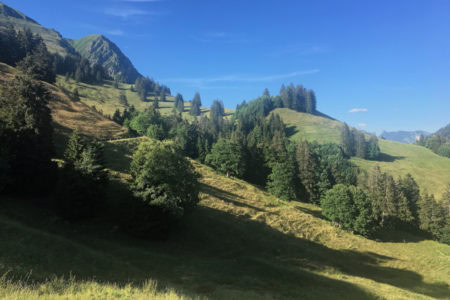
349,207
227,157
165,185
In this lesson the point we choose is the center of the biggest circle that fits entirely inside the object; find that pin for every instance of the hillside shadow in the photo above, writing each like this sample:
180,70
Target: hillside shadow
314,213
384,157
290,130
225,196
212,249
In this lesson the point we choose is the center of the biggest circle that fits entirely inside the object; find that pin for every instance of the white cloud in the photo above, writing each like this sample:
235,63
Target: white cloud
355,110
362,124
141,1
239,78
118,32
127,12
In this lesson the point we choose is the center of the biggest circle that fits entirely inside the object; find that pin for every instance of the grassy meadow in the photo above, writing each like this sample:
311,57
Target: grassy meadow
431,171
240,243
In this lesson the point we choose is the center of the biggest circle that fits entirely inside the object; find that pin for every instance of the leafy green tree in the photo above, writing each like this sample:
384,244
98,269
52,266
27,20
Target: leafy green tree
165,185
349,207
28,133
227,157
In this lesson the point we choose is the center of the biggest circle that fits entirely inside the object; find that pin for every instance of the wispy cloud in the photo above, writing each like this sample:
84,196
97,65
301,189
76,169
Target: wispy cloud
355,110
222,37
118,32
129,12
362,124
300,50
141,1
241,78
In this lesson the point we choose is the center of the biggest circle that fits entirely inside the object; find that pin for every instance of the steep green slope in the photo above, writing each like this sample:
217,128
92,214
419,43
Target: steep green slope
100,50
106,98
444,131
431,171
53,40
240,243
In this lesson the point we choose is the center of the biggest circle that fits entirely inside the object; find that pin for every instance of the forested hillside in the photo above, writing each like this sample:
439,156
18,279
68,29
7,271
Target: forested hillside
112,187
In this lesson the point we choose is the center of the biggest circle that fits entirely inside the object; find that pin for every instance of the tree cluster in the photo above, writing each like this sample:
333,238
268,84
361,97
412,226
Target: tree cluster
26,136
354,143
144,86
436,143
28,53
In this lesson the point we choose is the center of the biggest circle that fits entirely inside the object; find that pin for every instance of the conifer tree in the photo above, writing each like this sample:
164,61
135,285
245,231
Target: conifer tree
179,103
75,147
195,105
307,167
360,144
347,141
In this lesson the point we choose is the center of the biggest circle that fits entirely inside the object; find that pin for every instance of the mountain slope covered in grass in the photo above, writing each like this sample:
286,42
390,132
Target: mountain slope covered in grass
431,171
53,39
240,243
100,50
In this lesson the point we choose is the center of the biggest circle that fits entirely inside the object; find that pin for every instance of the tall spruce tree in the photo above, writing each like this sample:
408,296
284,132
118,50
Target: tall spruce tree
347,141
308,166
179,103
195,105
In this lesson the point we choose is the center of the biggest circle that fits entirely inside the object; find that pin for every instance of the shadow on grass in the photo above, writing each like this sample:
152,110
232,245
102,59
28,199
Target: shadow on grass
290,130
207,252
389,158
225,196
314,213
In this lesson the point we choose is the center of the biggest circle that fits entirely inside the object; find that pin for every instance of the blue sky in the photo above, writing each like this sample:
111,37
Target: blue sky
373,64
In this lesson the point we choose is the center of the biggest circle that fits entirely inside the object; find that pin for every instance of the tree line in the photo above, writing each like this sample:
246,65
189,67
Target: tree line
437,143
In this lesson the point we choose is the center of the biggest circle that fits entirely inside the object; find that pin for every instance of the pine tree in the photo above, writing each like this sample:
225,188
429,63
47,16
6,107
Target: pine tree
373,150
307,167
196,104
179,103
410,190
75,147
28,133
347,141
282,181
360,144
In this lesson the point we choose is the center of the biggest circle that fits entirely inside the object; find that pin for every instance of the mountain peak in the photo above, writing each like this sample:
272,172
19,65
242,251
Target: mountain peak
98,49
10,12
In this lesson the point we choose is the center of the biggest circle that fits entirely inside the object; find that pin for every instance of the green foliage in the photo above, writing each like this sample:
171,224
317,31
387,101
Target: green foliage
81,187
227,157
38,64
165,184
349,207
179,103
27,132
432,215
347,141
196,105
282,182
308,168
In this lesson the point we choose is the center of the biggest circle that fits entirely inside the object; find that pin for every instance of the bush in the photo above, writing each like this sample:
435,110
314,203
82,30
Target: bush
227,157
165,185
349,207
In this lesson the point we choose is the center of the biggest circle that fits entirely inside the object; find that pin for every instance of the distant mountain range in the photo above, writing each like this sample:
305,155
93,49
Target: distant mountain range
96,48
444,131
408,137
